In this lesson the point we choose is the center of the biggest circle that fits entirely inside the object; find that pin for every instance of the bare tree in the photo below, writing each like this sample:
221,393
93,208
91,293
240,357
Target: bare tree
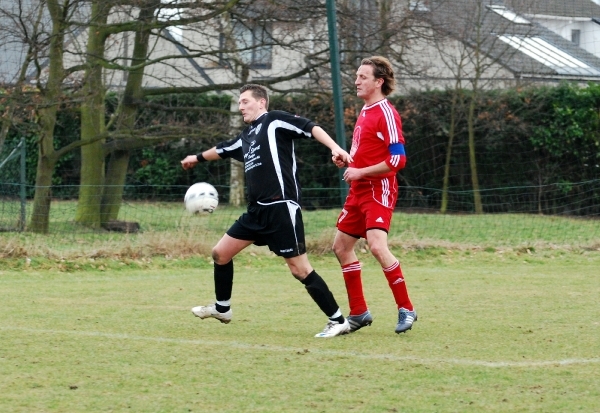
237,38
179,47
147,48
466,36
20,26
377,27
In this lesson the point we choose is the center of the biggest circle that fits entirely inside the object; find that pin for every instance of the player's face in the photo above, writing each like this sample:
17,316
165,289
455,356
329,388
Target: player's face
367,86
250,107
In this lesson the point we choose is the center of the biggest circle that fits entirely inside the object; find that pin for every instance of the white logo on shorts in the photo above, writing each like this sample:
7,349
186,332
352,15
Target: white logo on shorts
380,220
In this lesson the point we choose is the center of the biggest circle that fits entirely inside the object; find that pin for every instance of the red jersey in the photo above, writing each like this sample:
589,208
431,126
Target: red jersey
378,126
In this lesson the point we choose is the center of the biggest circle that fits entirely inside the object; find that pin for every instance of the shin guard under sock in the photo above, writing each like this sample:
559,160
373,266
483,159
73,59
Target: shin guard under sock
393,273
223,276
320,293
354,288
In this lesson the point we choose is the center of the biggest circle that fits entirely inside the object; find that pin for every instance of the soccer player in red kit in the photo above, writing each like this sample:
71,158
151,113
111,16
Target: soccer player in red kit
378,154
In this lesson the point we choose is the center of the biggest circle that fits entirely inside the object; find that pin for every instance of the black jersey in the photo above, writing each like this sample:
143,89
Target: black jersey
267,149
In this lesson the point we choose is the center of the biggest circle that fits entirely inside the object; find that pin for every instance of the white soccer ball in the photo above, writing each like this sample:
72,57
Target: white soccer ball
201,198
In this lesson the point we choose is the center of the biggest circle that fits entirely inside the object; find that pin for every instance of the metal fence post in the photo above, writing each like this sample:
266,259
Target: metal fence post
338,103
23,192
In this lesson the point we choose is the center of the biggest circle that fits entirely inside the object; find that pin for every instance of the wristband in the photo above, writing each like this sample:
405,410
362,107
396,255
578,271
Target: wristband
201,158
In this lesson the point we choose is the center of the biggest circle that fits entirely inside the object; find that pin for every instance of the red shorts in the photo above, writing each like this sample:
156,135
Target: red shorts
369,205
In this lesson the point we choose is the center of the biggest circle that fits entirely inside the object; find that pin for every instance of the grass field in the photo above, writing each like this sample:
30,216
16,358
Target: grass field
498,333
167,230
508,322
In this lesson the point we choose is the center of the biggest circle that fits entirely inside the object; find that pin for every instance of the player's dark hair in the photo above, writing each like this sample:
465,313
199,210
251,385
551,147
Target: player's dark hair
258,92
382,69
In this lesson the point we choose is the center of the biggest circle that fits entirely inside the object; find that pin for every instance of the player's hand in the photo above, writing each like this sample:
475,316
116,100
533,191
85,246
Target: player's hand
352,174
338,161
341,158
189,162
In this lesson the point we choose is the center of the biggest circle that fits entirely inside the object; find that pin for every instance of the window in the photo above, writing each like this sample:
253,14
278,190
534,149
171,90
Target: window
254,45
549,55
222,46
509,15
576,36
418,5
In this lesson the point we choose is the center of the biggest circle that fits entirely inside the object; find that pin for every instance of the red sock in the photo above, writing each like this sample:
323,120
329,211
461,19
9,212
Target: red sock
356,298
393,273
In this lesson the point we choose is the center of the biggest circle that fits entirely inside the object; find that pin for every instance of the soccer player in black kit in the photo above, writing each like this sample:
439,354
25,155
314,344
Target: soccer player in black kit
273,217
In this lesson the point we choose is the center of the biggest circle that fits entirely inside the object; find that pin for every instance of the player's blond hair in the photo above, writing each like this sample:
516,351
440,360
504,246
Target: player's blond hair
382,69
258,92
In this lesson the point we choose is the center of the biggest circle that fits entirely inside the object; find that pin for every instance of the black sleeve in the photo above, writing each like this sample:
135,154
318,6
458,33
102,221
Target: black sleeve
304,124
231,149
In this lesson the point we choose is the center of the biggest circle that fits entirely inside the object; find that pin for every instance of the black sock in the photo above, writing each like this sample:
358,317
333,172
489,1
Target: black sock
320,293
223,275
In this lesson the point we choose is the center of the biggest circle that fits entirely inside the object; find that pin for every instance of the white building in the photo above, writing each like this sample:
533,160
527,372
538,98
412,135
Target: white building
507,34
575,20
521,39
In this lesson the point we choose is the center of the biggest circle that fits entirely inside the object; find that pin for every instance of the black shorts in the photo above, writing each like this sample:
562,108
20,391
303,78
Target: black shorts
277,225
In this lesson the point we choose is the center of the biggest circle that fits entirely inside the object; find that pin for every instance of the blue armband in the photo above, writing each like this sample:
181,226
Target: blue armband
396,149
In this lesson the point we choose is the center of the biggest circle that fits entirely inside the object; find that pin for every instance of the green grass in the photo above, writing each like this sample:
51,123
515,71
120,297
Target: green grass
497,332
96,321
167,230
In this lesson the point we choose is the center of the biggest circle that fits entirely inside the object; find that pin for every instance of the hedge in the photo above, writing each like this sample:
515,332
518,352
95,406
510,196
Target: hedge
537,149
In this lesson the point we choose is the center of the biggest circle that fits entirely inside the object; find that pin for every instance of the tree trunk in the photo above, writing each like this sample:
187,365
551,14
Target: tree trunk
236,183
40,218
47,157
236,178
116,172
451,133
471,116
92,170
92,125
114,185
472,158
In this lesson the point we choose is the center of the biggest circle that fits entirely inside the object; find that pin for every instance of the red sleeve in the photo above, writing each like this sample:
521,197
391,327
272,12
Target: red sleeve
392,131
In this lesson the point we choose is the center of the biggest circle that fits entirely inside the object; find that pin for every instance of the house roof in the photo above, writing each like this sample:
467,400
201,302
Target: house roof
522,46
281,10
557,8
